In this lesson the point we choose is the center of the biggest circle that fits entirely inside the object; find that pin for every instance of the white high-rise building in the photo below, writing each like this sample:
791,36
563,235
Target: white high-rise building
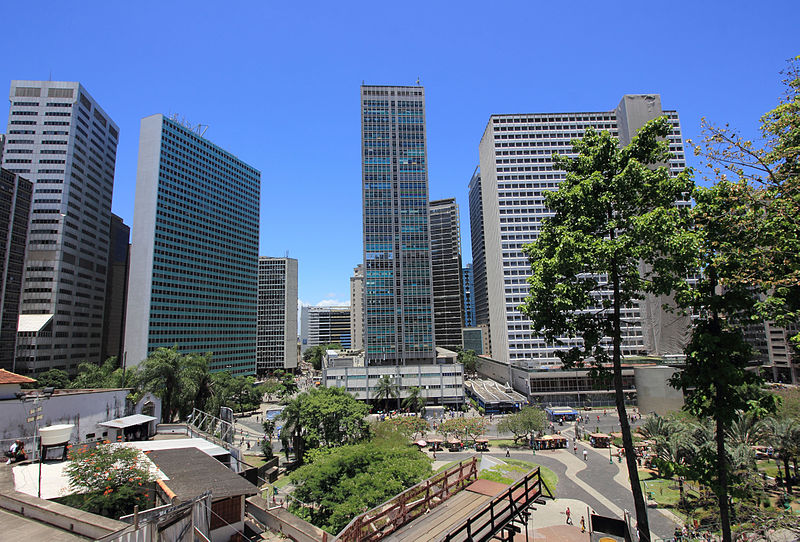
516,171
277,315
61,139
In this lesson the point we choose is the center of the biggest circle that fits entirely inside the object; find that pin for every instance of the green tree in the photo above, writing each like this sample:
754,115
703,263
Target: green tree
464,429
174,378
55,378
616,234
314,354
524,423
323,417
288,386
336,487
109,479
108,375
415,401
385,390
470,360
408,426
746,228
784,437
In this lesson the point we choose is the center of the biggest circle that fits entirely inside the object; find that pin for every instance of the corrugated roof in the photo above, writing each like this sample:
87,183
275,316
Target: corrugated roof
128,421
191,473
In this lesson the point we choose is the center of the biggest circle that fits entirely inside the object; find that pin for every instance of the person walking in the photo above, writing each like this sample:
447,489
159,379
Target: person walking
569,516
583,525
508,453
584,455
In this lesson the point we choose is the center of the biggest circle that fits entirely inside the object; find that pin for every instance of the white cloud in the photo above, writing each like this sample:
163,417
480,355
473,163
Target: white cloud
333,303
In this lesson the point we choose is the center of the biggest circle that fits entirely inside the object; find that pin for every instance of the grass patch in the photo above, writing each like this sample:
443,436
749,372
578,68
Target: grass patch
495,475
281,482
549,477
768,467
255,460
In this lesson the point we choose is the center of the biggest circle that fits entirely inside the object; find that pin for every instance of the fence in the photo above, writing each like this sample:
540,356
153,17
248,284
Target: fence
410,504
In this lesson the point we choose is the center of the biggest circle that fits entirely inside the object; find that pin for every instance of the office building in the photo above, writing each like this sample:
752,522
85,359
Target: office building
448,309
398,296
15,207
116,289
194,257
325,325
60,139
507,198
277,315
357,307
469,301
472,337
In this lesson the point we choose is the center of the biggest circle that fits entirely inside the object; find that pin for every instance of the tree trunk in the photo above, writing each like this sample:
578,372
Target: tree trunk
785,458
642,523
722,476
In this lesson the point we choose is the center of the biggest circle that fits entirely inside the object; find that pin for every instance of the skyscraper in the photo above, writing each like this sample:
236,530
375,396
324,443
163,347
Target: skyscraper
448,309
507,206
60,139
398,298
469,300
277,314
357,307
15,208
116,288
194,258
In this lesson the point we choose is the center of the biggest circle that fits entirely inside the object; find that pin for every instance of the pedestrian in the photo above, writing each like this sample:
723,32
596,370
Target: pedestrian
569,516
575,449
508,453
584,455
583,525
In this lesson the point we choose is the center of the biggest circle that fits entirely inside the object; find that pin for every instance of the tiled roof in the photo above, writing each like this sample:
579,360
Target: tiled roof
7,377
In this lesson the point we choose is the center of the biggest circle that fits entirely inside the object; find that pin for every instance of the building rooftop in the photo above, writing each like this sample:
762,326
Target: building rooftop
7,377
191,472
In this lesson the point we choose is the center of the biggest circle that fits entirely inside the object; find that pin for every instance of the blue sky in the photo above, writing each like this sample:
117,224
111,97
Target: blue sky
278,85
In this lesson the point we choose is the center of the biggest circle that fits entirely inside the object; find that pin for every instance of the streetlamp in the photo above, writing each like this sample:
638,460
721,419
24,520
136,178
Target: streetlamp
35,416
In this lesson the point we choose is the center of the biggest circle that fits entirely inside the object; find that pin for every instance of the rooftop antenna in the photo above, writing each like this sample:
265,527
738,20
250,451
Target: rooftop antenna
287,254
51,75
417,81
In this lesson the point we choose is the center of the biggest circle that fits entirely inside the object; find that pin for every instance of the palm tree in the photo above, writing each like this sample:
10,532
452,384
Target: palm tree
292,430
415,400
385,390
655,427
747,430
160,374
784,437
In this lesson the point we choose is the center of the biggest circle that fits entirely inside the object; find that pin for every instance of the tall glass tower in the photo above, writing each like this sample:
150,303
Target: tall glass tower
194,258
398,299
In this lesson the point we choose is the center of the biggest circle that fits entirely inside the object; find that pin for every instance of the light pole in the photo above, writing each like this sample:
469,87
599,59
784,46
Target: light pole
35,416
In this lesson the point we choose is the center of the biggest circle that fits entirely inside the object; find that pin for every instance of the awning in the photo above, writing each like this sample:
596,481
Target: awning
127,421
33,323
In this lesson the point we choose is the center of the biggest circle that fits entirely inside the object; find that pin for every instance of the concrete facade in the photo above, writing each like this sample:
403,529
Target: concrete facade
654,394
61,140
507,197
325,325
277,314
85,409
357,307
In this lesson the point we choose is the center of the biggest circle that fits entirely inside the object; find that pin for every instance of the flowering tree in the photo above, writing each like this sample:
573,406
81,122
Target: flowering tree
109,479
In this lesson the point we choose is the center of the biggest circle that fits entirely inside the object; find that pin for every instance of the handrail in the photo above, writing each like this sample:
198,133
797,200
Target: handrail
410,504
